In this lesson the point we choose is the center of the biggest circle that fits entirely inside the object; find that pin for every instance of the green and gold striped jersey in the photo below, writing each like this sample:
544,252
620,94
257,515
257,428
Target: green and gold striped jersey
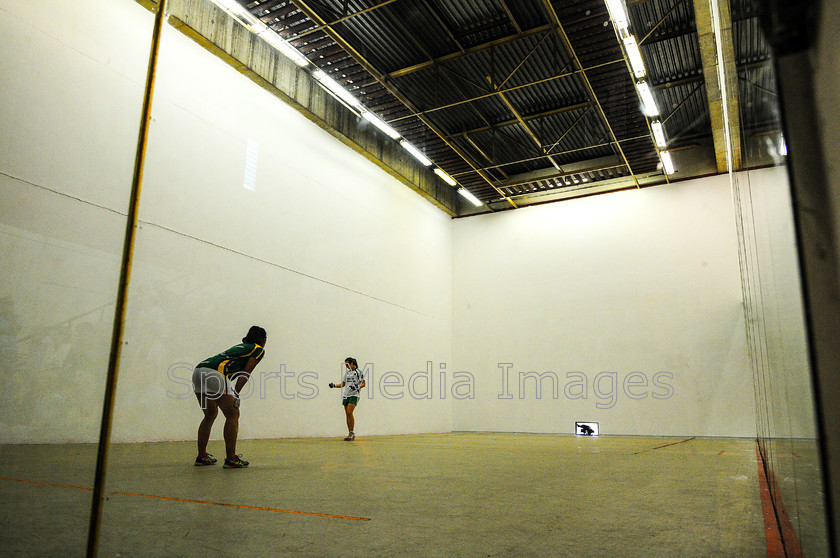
234,359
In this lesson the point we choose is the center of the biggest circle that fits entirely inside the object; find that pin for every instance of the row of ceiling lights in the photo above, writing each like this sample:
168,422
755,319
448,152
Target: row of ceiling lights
618,15
343,95
621,21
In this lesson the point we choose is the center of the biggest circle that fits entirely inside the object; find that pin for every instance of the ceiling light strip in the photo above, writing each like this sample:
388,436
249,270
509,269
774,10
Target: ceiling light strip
416,153
621,21
649,107
304,7
339,91
667,162
379,123
658,133
472,199
246,18
446,178
549,9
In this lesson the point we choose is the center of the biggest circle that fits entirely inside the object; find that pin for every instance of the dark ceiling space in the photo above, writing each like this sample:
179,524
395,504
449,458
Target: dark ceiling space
517,99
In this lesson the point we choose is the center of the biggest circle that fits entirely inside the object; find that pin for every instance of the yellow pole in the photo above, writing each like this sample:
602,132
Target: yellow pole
122,292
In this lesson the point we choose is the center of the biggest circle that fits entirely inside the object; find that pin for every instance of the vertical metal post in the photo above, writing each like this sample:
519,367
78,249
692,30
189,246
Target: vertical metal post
122,292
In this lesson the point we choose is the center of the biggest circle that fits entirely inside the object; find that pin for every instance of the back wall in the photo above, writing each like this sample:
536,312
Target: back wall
622,309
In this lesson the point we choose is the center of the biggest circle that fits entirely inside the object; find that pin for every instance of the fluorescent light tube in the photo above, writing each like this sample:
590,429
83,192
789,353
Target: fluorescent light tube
284,47
658,134
416,152
635,56
467,194
373,119
648,103
236,9
446,178
262,30
667,163
618,14
336,88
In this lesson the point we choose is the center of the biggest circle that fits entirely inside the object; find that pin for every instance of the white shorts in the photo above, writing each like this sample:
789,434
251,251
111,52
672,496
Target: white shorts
212,383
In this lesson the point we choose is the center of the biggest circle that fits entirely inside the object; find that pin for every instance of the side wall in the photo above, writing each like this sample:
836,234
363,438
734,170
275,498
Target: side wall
622,309
249,214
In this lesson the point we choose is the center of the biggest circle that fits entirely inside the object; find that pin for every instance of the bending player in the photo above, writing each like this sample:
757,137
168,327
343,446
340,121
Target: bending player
217,382
352,382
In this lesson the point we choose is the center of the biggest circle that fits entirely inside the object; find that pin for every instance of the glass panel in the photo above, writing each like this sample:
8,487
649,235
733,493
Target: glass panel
71,89
773,301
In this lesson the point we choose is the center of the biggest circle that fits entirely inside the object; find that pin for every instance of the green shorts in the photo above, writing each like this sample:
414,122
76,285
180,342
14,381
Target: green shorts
350,401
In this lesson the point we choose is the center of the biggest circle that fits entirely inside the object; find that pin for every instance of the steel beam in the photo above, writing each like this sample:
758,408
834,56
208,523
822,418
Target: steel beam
552,16
726,135
528,118
509,89
467,52
384,81
329,25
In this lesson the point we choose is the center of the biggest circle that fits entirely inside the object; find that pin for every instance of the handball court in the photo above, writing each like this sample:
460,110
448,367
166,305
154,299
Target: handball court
459,494
670,312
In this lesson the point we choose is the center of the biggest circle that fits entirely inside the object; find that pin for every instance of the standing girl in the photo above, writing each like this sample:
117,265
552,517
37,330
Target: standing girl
352,382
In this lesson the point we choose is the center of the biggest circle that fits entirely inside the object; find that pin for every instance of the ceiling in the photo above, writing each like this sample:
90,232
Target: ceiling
523,101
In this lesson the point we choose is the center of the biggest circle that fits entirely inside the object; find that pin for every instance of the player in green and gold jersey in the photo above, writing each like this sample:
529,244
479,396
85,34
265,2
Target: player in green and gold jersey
217,382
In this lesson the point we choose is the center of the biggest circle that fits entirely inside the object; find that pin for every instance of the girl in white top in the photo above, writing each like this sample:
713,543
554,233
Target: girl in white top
352,382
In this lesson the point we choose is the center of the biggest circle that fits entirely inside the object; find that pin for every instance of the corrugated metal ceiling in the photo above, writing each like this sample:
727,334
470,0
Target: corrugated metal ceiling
516,97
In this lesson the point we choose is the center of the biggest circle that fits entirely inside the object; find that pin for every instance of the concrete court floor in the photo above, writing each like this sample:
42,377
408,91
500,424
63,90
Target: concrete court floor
461,494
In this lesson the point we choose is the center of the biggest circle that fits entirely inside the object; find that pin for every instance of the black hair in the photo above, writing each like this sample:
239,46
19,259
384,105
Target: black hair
255,333
351,360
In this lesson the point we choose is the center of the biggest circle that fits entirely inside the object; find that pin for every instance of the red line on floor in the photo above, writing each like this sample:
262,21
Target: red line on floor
665,445
46,483
779,533
242,506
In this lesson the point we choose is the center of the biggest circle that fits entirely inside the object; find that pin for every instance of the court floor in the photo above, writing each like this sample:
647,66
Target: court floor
459,494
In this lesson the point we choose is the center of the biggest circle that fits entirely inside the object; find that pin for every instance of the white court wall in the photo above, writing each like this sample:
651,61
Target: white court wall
330,254
624,308
70,97
628,304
